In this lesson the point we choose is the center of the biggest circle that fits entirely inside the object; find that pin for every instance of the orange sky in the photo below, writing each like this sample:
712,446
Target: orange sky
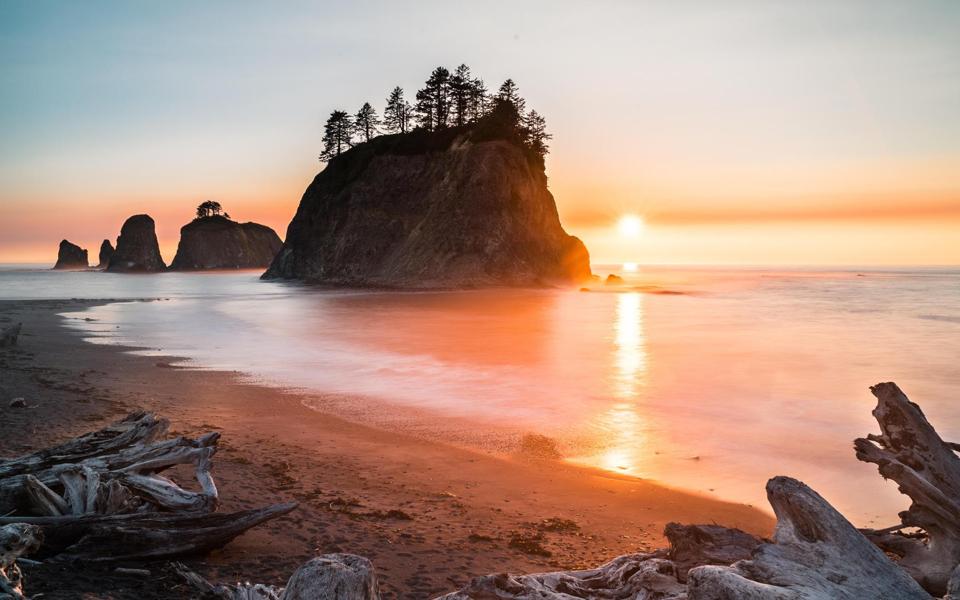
743,132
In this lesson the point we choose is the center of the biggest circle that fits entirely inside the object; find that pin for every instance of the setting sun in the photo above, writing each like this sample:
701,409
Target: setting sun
631,225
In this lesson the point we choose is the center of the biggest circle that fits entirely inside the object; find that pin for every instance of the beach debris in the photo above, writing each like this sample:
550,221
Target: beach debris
101,496
15,540
695,545
326,577
9,335
18,403
815,553
927,469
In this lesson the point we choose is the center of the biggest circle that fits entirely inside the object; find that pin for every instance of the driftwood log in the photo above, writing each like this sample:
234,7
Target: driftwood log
114,470
327,577
816,554
15,540
927,469
9,335
102,497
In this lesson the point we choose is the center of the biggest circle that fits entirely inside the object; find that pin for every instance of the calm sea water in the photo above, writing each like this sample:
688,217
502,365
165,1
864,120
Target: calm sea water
730,378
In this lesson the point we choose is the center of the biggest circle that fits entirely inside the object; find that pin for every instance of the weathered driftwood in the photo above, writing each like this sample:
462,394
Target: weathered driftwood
15,540
114,470
696,545
327,577
9,335
143,536
927,469
816,554
101,497
657,575
624,578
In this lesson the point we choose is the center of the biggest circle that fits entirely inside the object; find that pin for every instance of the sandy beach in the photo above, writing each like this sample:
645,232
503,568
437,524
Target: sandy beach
430,516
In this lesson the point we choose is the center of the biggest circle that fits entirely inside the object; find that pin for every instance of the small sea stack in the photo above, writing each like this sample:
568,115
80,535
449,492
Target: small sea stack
137,248
106,251
216,242
71,256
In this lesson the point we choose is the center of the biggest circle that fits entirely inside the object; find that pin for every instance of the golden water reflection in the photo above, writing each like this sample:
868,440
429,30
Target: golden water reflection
622,422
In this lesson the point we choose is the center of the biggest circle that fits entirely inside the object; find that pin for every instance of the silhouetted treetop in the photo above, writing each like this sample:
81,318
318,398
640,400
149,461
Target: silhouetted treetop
458,100
209,208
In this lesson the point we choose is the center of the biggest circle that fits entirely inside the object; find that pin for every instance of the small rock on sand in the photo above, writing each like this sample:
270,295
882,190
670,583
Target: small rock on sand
18,403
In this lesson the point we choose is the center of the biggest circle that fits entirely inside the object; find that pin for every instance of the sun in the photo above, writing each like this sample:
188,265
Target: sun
631,226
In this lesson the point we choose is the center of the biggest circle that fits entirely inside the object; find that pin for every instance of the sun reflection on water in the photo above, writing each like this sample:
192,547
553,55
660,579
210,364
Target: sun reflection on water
622,423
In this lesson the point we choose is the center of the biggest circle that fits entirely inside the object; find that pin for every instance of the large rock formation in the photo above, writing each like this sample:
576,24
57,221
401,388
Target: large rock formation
71,256
219,243
106,251
447,209
137,247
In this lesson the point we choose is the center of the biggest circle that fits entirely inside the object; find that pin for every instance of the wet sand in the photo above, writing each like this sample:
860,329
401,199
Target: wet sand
430,516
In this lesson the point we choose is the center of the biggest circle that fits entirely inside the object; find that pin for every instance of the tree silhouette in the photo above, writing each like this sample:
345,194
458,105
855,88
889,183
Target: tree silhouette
433,101
209,208
510,93
398,113
535,130
337,135
460,87
478,101
366,122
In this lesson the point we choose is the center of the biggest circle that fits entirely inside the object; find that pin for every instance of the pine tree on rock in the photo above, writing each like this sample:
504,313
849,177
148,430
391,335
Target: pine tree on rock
337,135
478,101
398,113
366,122
535,131
460,92
433,101
510,93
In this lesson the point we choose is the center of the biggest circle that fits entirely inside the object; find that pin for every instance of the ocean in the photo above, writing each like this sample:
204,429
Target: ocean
706,379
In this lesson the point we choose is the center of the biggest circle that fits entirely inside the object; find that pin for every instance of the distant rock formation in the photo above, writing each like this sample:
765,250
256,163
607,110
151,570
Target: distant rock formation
137,248
218,243
444,209
106,251
71,256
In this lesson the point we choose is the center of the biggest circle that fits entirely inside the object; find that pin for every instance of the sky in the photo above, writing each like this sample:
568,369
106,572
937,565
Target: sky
782,133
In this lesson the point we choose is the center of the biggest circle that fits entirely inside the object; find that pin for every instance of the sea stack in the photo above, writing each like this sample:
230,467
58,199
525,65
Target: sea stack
454,208
137,248
106,251
216,242
71,256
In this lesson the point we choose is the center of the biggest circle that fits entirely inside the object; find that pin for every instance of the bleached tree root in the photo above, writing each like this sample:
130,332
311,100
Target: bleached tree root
327,577
110,471
816,554
101,496
144,536
927,469
15,540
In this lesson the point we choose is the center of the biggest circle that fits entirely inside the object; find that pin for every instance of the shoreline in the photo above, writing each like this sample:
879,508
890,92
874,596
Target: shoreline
465,513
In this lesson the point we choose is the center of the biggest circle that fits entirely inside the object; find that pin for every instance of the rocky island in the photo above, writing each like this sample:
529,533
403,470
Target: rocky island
137,248
440,206
216,242
106,251
71,256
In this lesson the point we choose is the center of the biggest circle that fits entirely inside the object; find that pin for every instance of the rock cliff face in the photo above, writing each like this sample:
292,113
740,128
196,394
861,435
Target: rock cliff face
137,248
219,243
71,256
106,251
440,211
